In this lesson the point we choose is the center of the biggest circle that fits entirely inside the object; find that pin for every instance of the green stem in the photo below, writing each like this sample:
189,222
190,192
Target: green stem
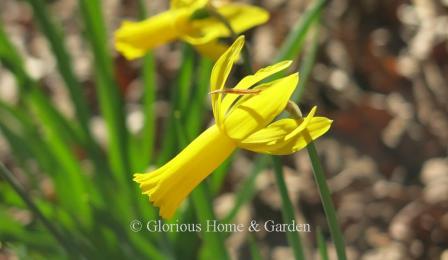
204,211
307,65
110,98
293,44
323,252
254,249
287,209
65,243
327,203
149,97
289,50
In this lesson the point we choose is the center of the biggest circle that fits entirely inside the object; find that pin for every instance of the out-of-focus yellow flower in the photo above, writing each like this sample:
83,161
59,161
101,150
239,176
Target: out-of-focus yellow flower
191,21
243,116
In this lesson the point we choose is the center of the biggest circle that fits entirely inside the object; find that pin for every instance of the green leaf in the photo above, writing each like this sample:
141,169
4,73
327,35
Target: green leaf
293,44
149,98
218,177
247,189
287,210
60,237
254,249
110,99
178,100
144,141
195,117
64,64
308,62
214,247
322,245
56,131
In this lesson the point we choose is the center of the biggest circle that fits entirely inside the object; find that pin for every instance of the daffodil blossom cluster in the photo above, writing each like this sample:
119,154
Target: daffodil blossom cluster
191,21
245,118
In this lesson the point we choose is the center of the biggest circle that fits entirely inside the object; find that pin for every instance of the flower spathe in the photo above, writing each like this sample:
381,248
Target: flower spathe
242,120
190,21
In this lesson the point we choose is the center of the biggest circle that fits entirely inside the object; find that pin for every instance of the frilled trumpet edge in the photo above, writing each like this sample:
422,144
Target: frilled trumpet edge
169,185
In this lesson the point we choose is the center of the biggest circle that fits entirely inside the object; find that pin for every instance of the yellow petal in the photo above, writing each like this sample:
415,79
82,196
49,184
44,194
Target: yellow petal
175,4
219,3
134,39
213,49
168,186
220,72
240,17
257,111
271,140
303,125
283,130
248,81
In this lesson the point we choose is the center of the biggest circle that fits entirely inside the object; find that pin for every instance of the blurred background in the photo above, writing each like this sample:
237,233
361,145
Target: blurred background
380,72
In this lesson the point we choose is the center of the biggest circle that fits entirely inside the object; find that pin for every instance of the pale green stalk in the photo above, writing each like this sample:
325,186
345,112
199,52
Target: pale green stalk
287,210
321,245
327,203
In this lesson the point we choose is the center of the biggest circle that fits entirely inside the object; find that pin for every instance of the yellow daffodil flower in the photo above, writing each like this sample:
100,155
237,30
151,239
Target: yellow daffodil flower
191,21
243,116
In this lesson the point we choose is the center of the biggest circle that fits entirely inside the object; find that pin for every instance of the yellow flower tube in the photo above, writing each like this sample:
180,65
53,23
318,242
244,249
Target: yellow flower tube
244,118
188,20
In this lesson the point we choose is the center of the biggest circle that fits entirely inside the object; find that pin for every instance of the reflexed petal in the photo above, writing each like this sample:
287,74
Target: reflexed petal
237,14
280,130
257,111
221,71
212,50
168,186
241,18
134,39
175,4
273,133
248,81
271,140
303,125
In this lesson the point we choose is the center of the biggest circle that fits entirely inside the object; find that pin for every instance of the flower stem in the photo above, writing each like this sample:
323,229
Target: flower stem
65,243
327,203
287,209
321,245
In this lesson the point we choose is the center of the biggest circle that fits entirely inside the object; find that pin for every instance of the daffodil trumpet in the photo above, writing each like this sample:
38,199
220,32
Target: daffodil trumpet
244,118
201,23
